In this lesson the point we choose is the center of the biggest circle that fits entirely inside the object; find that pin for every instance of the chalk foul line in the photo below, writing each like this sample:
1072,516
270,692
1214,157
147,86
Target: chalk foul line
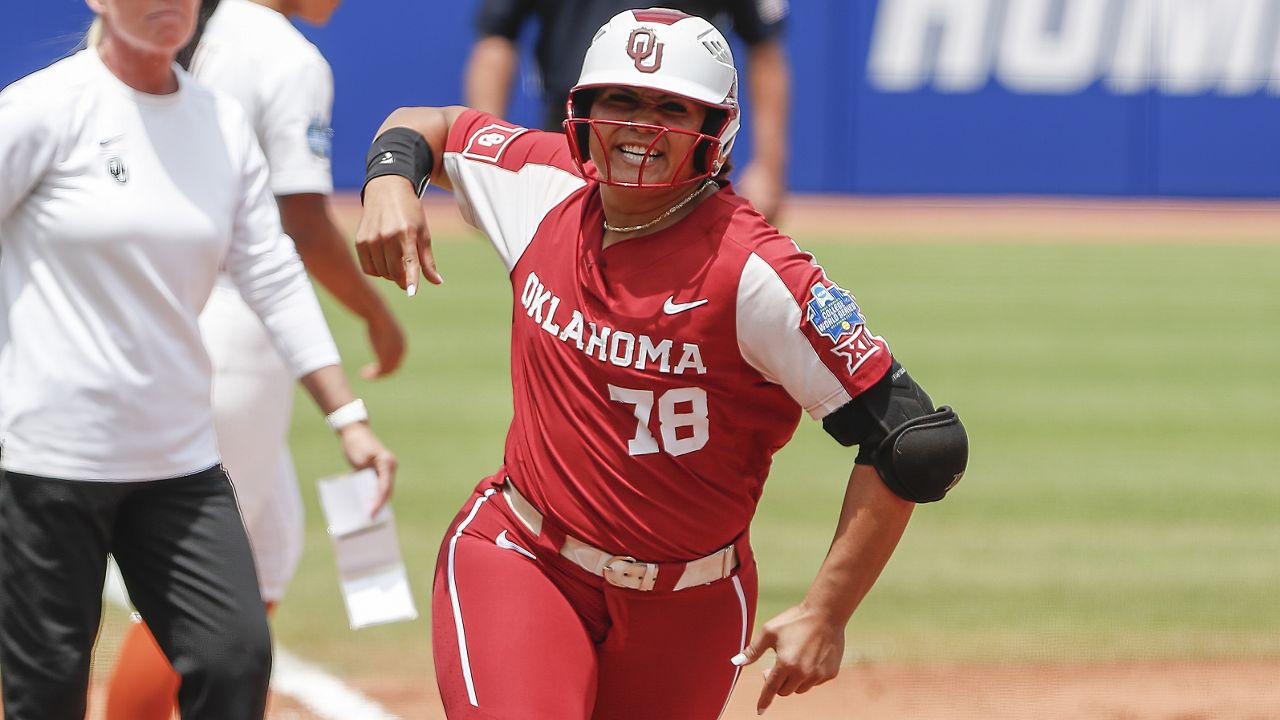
327,697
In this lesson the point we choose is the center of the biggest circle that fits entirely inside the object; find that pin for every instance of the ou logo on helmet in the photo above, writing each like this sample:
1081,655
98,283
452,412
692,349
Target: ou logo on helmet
643,48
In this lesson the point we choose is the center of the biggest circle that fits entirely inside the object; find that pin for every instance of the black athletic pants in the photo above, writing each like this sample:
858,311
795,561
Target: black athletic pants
185,559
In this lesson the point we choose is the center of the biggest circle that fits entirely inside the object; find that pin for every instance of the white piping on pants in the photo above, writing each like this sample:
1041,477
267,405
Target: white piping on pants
742,644
463,657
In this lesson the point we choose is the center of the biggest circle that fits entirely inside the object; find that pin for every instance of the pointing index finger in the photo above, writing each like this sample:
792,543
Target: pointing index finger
411,276
410,249
772,683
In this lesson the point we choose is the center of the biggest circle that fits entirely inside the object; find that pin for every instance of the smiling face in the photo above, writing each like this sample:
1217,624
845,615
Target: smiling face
644,136
160,27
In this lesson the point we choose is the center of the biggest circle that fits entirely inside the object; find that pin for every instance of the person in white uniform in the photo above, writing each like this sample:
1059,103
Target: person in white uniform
248,50
124,188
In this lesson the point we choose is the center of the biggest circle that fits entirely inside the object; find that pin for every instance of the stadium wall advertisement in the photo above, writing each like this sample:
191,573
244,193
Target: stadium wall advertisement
1073,97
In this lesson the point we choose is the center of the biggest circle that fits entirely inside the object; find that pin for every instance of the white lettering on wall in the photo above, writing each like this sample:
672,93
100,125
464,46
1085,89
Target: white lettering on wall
1035,57
1190,47
1177,47
916,40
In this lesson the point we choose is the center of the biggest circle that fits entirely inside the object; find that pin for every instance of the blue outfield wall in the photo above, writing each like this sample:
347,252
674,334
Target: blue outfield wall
1078,97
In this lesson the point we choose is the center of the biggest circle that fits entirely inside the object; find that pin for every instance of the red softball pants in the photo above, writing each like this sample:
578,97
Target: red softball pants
520,633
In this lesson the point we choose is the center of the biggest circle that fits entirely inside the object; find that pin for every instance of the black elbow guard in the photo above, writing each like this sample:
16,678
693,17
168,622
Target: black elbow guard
920,452
923,458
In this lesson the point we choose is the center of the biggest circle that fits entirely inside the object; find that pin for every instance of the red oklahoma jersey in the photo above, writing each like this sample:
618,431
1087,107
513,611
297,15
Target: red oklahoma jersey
654,380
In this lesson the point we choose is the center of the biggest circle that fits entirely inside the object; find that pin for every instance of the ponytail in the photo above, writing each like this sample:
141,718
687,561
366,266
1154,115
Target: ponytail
188,53
94,35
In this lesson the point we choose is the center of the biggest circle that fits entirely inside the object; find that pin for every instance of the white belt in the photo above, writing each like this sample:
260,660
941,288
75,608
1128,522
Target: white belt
623,570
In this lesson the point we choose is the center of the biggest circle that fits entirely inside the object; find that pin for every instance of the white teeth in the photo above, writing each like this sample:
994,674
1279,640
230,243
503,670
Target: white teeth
640,150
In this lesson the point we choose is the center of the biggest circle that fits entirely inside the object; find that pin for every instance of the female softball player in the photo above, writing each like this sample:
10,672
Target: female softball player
124,188
665,341
250,51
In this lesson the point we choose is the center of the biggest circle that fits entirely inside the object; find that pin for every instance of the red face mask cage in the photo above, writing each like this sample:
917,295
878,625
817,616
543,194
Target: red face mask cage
702,155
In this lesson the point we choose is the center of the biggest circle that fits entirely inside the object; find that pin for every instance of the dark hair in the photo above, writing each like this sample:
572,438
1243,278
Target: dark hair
722,177
188,53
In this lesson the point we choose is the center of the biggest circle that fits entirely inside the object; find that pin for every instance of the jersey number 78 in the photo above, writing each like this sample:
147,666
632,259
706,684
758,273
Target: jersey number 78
672,417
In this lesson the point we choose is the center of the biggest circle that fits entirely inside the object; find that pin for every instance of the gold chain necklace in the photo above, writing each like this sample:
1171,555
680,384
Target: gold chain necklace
636,228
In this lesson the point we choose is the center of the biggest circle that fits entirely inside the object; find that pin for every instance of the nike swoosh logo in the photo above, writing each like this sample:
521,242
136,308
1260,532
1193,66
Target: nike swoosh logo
671,307
502,542
110,140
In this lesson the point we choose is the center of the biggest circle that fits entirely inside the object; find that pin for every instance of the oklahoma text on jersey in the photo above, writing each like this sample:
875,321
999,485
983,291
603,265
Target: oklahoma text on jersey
606,344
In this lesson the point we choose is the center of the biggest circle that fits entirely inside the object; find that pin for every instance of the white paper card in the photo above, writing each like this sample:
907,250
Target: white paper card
370,570
379,598
347,499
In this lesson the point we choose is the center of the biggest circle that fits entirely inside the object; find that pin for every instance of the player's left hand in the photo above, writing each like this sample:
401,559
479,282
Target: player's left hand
809,646
764,188
365,450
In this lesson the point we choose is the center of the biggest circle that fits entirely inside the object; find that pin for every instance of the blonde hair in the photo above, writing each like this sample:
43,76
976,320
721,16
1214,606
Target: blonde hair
93,35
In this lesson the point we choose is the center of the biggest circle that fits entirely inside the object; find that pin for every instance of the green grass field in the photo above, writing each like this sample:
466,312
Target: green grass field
1122,499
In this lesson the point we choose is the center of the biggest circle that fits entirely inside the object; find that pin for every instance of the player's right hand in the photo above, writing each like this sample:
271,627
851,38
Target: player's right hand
392,240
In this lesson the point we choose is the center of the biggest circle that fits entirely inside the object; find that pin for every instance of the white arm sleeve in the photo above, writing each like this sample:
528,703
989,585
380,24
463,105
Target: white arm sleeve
508,206
506,179
294,128
27,144
265,267
771,340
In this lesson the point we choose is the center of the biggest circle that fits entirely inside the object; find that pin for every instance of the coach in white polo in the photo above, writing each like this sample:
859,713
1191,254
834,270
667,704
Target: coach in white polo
251,52
124,187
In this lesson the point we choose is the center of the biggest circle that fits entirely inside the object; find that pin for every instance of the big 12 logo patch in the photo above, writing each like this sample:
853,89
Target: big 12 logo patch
834,314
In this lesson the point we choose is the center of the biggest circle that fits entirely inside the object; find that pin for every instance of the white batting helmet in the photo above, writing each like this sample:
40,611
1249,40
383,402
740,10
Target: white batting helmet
668,51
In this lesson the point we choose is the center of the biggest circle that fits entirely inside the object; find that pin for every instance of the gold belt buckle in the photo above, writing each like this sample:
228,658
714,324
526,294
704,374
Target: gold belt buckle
625,571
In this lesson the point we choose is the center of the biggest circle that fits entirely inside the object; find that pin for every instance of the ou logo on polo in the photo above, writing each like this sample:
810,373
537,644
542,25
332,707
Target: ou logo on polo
116,167
491,139
643,48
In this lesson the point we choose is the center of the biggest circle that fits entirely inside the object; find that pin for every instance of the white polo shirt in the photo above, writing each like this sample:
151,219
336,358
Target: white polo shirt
255,55
117,209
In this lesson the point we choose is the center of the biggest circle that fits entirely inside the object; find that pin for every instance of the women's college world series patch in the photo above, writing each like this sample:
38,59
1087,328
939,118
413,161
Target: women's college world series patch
320,138
835,315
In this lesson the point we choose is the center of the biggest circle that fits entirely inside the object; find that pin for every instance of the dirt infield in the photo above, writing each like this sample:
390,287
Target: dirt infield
1186,691
1136,691
862,219
1101,691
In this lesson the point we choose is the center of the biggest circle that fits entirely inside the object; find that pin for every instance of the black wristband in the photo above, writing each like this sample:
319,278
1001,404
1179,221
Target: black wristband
400,151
